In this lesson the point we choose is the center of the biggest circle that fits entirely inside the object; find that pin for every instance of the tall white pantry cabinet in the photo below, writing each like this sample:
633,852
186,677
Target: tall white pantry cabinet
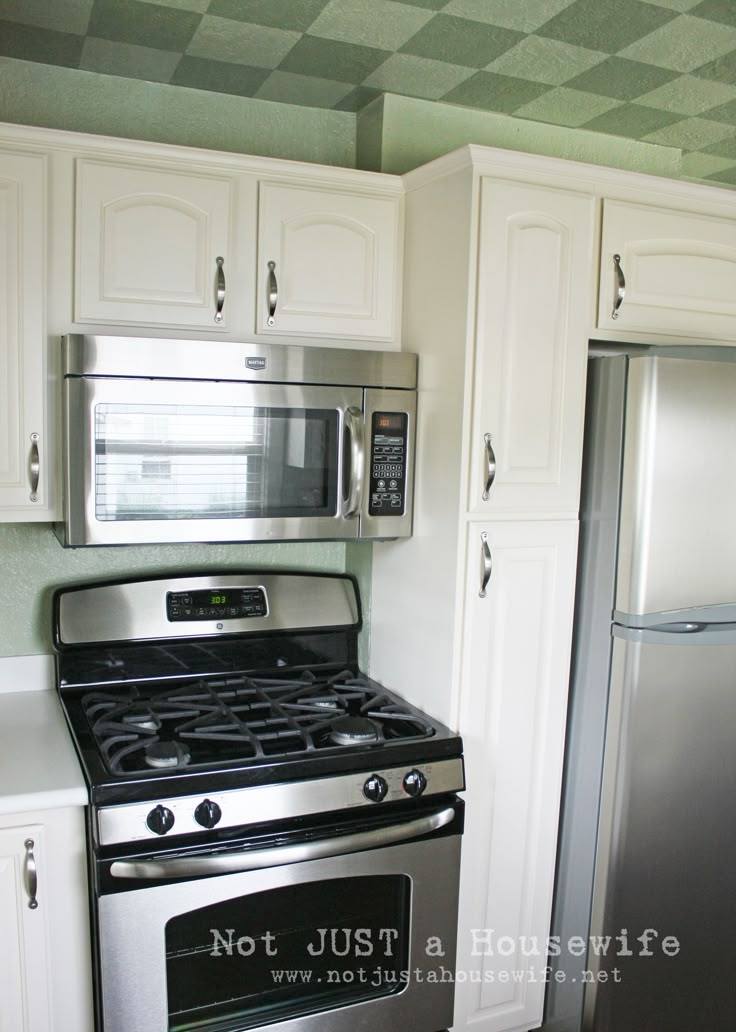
498,297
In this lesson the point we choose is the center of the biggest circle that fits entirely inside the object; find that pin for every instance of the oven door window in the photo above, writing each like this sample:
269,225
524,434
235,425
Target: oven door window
183,462
288,952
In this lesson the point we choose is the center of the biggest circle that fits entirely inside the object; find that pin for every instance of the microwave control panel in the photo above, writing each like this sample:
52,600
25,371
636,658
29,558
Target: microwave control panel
389,440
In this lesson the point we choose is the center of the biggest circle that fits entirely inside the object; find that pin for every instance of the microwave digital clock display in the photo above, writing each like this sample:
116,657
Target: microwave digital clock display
216,604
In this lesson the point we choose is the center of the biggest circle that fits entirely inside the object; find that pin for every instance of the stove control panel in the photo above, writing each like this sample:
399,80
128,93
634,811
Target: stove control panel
387,491
185,815
216,604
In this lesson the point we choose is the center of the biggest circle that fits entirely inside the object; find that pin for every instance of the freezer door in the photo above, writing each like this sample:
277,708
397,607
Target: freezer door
677,546
667,839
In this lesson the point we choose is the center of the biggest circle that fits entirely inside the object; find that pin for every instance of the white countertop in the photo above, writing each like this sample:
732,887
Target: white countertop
39,769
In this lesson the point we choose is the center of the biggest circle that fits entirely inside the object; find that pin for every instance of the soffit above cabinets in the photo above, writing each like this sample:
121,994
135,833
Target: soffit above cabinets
662,72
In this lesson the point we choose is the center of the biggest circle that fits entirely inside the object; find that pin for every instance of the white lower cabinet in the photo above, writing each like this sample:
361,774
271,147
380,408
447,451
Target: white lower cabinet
513,699
45,975
24,934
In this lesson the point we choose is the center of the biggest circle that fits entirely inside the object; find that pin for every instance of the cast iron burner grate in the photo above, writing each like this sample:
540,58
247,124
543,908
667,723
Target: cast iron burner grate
219,721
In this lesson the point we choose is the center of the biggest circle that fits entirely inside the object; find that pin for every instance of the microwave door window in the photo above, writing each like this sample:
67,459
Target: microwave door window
182,462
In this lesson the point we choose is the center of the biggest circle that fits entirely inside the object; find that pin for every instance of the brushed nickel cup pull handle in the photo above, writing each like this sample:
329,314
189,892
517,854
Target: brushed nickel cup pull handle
31,875
34,467
490,466
220,291
273,293
486,564
619,285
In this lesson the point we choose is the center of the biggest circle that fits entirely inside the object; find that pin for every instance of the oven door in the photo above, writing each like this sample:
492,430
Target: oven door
151,461
357,933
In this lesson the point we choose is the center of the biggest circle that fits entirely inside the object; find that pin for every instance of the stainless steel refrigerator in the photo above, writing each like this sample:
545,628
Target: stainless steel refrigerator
644,917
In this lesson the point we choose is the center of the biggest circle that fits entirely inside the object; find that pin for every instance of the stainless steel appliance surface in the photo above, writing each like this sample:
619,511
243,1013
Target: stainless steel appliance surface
197,441
274,838
647,845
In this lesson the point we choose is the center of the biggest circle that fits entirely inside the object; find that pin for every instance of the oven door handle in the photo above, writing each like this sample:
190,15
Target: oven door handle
253,860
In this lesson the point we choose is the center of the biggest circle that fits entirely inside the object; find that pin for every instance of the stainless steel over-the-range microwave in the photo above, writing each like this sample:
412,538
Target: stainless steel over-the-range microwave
206,441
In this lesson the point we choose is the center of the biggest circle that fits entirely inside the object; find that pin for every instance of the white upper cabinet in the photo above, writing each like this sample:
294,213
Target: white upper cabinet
533,315
328,262
153,246
667,271
24,451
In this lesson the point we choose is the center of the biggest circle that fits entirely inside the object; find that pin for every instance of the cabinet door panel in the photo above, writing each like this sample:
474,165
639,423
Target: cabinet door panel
334,262
22,335
147,245
513,697
536,250
23,938
679,268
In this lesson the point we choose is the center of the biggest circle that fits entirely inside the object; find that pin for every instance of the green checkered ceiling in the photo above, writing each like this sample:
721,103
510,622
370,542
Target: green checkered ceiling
663,71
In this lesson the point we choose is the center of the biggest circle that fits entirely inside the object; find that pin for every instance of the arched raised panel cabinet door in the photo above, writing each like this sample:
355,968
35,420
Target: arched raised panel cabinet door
519,593
327,263
533,317
24,947
152,246
24,454
677,272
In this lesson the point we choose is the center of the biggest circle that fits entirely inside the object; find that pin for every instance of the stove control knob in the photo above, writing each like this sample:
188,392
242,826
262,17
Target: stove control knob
375,788
414,783
207,813
160,819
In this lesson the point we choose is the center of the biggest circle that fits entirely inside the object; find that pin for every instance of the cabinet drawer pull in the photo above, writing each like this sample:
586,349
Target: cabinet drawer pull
486,564
220,290
619,285
490,466
34,467
31,875
273,293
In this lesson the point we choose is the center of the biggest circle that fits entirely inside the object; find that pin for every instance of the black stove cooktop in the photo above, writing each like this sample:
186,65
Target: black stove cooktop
176,715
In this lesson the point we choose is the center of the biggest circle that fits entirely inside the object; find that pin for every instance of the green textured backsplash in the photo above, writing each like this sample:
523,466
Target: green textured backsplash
33,564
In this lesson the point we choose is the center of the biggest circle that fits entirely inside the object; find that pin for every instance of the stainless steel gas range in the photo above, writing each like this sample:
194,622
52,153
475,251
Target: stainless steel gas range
274,838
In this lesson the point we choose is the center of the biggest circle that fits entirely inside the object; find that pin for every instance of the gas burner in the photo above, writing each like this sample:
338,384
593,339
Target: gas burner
354,731
166,755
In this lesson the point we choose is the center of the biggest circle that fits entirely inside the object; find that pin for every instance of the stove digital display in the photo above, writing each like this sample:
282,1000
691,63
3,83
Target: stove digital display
216,604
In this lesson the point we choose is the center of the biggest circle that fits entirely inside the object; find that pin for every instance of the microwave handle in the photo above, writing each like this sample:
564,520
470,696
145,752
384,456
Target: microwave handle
356,457
253,860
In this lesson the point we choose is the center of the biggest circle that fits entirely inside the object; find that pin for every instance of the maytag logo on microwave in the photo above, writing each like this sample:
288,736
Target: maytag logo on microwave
251,362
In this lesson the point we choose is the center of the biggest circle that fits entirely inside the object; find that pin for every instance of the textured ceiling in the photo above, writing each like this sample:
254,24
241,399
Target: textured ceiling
663,72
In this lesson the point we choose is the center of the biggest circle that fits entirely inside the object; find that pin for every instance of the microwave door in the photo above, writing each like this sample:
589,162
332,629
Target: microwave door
150,461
